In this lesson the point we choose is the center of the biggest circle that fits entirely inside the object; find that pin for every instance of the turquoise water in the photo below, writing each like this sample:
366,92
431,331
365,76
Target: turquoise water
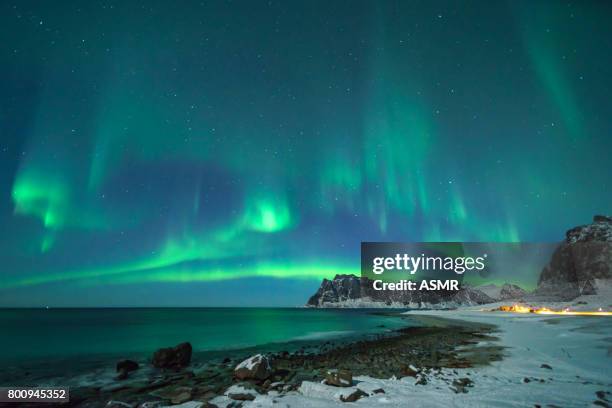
35,334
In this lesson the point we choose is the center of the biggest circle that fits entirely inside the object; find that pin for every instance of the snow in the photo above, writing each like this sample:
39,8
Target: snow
368,303
577,349
251,362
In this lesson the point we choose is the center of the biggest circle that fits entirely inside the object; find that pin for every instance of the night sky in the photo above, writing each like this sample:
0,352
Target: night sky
236,152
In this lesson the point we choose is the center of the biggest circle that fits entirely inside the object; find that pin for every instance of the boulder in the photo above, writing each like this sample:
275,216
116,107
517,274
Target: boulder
408,370
241,396
339,378
354,396
127,366
173,357
257,367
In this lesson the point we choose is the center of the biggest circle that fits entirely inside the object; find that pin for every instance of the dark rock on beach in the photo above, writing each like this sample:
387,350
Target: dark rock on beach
354,396
124,367
400,353
173,357
127,366
339,378
241,397
257,367
460,385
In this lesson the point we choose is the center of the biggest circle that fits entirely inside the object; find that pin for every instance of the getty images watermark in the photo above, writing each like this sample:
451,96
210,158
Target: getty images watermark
418,266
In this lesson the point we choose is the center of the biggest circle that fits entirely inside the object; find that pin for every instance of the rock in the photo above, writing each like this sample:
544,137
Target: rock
124,367
339,378
350,290
354,396
241,396
526,380
460,385
127,365
181,397
176,395
378,391
257,367
421,381
580,263
408,371
173,357
602,218
546,366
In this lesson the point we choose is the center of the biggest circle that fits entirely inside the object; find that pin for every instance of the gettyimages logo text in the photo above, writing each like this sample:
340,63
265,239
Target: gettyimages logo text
412,264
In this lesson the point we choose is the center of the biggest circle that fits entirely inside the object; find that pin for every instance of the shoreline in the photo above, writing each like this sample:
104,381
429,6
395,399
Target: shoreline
414,352
465,357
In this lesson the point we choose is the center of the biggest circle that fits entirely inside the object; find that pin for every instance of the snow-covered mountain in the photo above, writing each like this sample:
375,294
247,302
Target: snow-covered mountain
507,291
353,291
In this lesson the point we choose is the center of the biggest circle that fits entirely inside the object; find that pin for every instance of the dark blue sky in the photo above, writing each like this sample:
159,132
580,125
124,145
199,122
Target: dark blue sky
235,153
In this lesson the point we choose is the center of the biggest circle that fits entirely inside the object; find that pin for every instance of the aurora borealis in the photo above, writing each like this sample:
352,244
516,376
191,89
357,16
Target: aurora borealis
154,153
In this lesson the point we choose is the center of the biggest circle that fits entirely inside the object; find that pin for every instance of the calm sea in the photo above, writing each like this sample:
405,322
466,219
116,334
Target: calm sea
38,334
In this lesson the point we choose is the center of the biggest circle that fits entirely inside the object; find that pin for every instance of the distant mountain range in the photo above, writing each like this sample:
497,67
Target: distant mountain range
579,265
354,291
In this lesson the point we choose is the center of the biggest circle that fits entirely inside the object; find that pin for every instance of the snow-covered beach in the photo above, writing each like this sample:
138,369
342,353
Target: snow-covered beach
563,361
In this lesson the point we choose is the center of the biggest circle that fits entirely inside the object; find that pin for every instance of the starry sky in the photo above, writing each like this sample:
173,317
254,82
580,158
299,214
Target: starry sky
234,153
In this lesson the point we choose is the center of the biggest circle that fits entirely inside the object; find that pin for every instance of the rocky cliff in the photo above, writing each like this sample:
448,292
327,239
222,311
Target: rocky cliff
353,291
581,263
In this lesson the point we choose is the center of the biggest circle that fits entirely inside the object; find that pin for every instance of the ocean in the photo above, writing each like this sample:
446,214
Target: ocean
58,340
